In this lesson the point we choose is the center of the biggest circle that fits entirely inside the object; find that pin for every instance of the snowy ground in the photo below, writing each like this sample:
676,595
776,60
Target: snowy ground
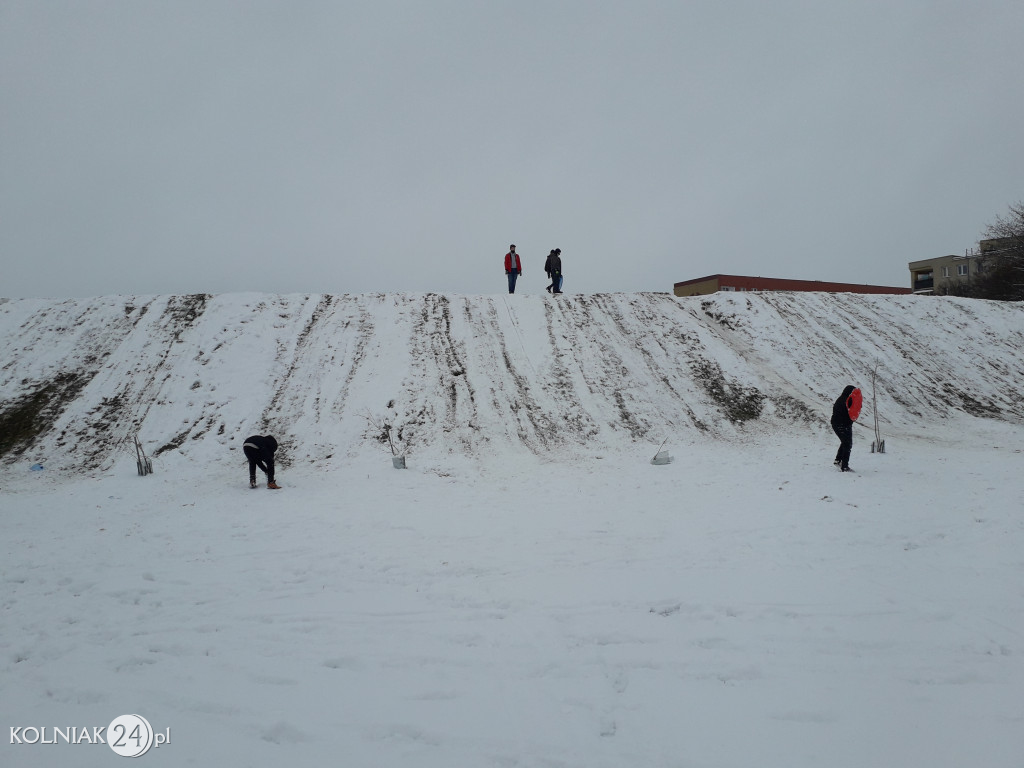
531,591
746,605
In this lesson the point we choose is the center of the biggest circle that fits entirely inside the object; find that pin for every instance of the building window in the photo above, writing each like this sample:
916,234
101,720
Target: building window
962,270
945,271
728,288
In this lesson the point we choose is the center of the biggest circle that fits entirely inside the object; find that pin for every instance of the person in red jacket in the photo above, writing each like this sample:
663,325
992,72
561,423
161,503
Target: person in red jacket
844,413
513,267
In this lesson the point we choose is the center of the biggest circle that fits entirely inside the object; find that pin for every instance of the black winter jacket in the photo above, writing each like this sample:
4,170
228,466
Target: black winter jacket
266,446
840,413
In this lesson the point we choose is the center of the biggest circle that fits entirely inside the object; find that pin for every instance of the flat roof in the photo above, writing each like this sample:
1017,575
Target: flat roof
782,281
926,262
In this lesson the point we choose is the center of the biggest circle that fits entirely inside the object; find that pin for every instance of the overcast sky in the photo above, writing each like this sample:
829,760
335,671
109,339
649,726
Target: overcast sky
344,147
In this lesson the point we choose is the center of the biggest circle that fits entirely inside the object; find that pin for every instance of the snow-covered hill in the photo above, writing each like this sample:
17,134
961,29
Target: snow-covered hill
482,375
532,592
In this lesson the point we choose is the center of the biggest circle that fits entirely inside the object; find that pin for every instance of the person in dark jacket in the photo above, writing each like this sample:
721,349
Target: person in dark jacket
844,413
513,268
547,270
260,453
554,270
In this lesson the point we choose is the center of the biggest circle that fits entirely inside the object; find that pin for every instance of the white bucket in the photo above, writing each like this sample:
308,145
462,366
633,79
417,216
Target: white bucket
661,457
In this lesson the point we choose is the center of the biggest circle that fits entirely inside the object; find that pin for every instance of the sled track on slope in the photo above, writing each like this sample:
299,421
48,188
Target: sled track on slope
539,432
441,367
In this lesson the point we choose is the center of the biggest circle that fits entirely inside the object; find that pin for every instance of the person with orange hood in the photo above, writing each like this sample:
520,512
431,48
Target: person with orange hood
844,413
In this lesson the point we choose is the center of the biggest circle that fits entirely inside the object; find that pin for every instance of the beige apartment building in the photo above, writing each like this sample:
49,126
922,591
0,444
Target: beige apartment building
938,274
934,275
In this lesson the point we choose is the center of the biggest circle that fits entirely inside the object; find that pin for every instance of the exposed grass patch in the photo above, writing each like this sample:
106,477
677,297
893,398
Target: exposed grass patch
175,442
977,408
737,402
789,407
185,310
24,420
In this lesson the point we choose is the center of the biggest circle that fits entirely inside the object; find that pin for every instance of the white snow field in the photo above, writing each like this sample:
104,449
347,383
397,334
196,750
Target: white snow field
531,591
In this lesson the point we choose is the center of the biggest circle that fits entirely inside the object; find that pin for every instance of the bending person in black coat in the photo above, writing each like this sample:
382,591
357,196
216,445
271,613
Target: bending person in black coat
260,453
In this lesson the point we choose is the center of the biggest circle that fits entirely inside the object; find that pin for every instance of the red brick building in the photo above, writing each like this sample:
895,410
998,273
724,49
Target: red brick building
714,283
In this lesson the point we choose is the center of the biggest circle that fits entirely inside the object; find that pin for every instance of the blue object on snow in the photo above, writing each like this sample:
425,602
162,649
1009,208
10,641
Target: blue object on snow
36,467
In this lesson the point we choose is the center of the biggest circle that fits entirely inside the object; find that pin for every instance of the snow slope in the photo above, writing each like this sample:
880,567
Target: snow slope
532,591
479,376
